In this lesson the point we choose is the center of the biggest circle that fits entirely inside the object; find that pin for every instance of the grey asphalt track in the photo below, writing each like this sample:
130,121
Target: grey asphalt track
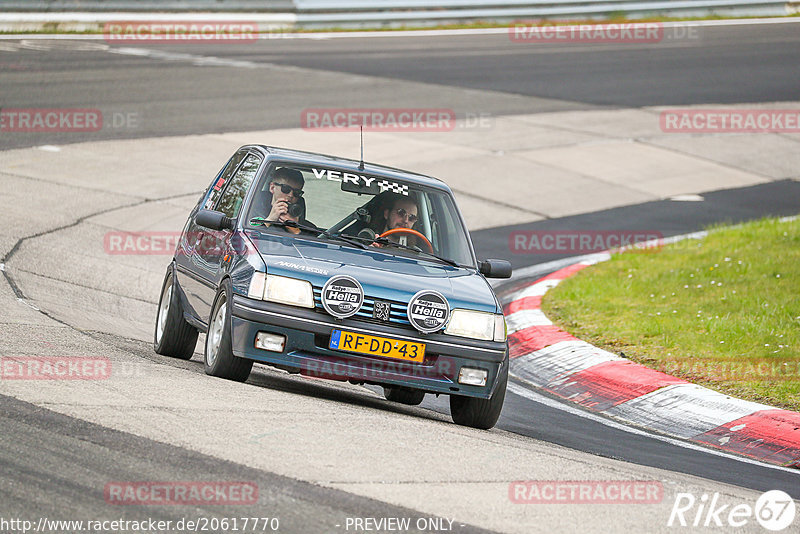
57,467
193,88
664,217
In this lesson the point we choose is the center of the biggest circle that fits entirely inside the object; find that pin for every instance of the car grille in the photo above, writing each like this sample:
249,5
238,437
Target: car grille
397,314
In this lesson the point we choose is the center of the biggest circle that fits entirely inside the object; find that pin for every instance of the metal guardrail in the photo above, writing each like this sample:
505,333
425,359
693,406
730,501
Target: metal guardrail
372,13
146,5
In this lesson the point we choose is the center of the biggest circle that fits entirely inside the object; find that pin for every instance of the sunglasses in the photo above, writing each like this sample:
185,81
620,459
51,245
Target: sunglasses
286,189
403,214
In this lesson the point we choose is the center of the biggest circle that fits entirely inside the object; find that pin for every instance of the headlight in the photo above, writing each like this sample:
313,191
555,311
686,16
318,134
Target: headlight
477,325
281,289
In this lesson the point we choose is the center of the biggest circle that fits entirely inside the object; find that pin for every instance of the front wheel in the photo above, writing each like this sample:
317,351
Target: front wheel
480,413
173,336
218,357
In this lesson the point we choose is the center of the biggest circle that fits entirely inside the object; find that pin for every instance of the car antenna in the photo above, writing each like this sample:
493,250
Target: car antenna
361,164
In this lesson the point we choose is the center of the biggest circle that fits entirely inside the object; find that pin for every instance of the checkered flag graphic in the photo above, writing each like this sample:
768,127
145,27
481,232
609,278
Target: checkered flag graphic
386,185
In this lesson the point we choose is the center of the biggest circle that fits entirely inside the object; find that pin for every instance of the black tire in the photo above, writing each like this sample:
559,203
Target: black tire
480,413
218,357
409,396
173,336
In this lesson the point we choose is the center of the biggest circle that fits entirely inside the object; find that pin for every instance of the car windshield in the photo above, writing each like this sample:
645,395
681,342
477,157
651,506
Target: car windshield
413,220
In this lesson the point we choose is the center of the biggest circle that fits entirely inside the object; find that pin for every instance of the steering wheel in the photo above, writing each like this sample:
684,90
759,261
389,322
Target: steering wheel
409,231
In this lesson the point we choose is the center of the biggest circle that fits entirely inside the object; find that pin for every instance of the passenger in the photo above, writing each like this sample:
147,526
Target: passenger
285,200
286,188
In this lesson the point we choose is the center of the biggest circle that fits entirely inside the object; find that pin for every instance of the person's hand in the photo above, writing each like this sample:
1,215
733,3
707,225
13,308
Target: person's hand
280,208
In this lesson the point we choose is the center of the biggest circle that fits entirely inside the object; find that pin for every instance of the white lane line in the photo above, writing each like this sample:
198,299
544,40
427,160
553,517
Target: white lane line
200,61
28,304
552,403
687,198
545,268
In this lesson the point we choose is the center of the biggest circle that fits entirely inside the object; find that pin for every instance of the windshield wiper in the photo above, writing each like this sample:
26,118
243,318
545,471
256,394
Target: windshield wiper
319,231
346,239
290,224
386,241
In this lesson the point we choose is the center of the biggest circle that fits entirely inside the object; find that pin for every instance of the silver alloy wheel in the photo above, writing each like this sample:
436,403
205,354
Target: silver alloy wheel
163,312
215,335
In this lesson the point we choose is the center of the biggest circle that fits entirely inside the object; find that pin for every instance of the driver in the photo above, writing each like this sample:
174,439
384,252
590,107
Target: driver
402,213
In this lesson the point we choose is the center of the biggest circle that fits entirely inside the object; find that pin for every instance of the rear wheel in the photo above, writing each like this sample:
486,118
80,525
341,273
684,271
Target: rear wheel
218,357
409,396
480,413
173,335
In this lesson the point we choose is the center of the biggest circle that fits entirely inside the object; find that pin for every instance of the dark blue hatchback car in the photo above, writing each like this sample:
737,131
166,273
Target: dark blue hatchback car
342,270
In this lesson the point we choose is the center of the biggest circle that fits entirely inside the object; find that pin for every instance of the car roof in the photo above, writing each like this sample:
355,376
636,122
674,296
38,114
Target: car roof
303,157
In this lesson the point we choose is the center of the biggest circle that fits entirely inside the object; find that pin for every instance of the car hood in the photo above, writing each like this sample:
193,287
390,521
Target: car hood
381,275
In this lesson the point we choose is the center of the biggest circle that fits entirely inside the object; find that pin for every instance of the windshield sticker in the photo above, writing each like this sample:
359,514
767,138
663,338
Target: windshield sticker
386,185
358,183
342,296
298,267
428,311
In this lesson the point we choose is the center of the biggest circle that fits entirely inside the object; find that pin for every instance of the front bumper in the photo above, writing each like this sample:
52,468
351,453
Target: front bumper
308,333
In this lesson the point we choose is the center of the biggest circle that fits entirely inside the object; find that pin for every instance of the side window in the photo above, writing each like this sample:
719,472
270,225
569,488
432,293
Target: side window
223,178
231,202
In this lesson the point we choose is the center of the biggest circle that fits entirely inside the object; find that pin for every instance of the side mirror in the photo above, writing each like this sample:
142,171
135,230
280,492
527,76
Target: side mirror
495,268
214,220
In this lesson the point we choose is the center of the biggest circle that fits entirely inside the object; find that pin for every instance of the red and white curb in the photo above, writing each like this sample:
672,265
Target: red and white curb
553,360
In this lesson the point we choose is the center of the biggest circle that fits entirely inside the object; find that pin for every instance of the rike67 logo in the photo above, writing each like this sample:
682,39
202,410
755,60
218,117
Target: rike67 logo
774,510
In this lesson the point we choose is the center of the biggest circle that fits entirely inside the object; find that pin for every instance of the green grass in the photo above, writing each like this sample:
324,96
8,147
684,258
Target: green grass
723,311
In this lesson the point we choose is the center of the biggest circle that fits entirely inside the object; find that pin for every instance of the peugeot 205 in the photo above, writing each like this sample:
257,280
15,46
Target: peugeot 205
338,269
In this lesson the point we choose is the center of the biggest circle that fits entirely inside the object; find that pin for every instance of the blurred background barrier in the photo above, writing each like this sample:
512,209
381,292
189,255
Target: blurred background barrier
61,14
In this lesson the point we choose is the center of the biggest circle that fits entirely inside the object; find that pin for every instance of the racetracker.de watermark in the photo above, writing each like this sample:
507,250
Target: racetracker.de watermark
730,121
726,371
378,119
116,32
344,369
50,120
555,31
54,368
581,241
60,120
151,243
586,492
166,243
181,493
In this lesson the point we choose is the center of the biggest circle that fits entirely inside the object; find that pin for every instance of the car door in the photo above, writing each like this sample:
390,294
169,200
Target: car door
210,245
191,272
